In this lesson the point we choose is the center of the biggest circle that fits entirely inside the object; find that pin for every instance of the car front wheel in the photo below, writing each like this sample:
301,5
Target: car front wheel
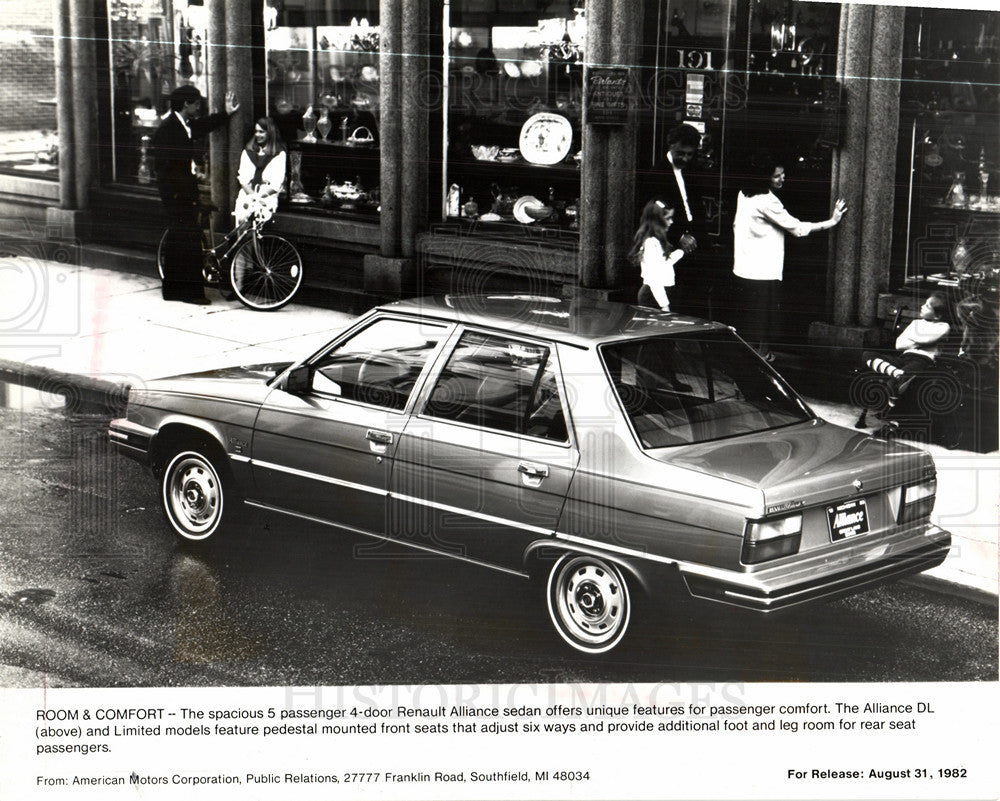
588,602
195,495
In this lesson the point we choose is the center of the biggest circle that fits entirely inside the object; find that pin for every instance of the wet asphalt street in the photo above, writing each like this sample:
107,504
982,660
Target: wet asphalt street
94,591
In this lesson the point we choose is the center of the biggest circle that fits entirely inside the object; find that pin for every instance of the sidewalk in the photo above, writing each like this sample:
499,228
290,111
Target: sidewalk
95,330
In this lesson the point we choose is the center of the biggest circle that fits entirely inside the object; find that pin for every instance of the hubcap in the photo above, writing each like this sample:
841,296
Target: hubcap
589,599
589,603
194,495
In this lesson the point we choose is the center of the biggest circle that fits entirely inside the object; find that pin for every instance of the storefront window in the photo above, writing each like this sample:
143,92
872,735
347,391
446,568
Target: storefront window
512,121
155,46
29,144
949,148
323,93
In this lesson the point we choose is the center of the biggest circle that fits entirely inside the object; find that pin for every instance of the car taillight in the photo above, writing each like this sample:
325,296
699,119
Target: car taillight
769,539
918,501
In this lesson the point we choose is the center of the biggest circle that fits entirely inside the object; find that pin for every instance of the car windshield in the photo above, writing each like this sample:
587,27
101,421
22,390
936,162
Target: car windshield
693,388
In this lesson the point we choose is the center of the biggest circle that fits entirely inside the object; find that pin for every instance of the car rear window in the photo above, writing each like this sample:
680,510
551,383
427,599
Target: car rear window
683,389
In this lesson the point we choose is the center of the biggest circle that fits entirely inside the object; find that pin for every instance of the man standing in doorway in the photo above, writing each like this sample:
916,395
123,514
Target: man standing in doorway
176,151
689,232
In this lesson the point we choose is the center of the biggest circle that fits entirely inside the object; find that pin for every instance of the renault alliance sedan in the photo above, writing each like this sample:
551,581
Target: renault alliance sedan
614,453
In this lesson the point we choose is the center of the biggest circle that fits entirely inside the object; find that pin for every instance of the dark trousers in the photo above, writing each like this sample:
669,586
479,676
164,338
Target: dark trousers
182,258
761,305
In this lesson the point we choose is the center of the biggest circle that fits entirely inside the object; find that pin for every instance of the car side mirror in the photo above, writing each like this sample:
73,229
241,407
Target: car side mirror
299,380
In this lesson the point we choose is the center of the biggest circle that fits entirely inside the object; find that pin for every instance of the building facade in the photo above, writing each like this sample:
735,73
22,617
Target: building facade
479,145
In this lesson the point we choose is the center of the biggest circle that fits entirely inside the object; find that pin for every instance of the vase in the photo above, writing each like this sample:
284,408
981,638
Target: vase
956,194
324,125
309,125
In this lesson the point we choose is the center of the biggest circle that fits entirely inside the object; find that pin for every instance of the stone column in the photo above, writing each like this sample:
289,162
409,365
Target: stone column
84,68
218,141
64,103
626,31
390,106
880,158
869,65
593,178
413,209
239,80
403,143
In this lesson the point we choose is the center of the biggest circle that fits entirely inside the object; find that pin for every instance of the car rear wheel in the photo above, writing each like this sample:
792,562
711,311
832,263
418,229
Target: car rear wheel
195,494
589,604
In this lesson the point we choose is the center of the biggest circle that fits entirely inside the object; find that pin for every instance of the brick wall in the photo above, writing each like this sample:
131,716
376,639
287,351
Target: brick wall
27,65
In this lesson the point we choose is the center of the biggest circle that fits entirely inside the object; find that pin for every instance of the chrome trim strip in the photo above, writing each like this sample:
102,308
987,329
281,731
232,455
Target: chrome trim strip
126,425
176,393
385,538
317,477
236,457
545,532
120,435
407,498
620,549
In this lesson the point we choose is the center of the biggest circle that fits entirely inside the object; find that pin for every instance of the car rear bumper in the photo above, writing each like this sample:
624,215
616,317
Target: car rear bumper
131,439
824,576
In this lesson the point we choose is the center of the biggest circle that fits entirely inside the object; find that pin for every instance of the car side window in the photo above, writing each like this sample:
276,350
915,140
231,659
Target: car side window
501,384
380,364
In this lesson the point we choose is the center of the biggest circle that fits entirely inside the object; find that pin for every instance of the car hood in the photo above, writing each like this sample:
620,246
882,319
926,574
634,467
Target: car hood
806,463
244,383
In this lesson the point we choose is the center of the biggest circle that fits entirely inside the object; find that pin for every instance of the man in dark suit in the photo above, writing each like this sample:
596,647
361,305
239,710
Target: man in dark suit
689,231
175,149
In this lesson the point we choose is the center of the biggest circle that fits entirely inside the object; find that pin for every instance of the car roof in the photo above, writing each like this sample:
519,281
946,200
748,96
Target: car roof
579,321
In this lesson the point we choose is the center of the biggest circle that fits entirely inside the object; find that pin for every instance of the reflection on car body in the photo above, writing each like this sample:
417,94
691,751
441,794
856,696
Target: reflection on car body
613,451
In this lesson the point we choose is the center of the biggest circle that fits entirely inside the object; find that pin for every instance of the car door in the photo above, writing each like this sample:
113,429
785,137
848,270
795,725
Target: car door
327,452
484,468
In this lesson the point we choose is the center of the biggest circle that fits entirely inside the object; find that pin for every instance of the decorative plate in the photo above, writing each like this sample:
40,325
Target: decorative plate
546,138
520,210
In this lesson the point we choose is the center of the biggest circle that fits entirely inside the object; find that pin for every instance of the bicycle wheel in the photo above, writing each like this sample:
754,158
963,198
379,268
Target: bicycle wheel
161,251
266,272
210,272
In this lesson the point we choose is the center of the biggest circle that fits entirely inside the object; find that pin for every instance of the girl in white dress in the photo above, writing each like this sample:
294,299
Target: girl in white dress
655,255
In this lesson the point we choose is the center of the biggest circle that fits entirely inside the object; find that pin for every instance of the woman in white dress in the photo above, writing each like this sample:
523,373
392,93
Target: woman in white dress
261,174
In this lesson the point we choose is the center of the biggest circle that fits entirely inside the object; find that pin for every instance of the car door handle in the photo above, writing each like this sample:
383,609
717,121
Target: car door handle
531,473
380,441
379,437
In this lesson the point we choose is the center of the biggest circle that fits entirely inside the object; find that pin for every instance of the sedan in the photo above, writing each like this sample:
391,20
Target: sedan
622,457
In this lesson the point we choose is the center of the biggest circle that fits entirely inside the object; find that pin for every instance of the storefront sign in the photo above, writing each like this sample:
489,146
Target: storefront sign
609,95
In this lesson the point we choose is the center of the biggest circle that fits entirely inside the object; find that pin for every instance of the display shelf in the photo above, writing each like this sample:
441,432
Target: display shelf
324,94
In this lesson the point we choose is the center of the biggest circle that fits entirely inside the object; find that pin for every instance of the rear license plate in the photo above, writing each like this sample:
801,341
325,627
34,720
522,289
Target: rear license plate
848,519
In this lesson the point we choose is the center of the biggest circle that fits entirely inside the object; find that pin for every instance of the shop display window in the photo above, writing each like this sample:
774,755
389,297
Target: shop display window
29,143
949,146
512,121
155,46
323,93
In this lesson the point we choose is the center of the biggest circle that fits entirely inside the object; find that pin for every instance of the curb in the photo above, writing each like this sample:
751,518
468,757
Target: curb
78,390
953,588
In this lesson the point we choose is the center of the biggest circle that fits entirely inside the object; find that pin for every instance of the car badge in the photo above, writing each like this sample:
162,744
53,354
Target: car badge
857,484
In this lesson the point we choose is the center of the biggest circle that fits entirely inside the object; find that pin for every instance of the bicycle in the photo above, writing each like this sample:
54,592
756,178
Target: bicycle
265,270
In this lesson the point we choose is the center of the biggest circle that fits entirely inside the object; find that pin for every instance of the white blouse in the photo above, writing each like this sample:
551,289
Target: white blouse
657,269
922,336
273,175
759,236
